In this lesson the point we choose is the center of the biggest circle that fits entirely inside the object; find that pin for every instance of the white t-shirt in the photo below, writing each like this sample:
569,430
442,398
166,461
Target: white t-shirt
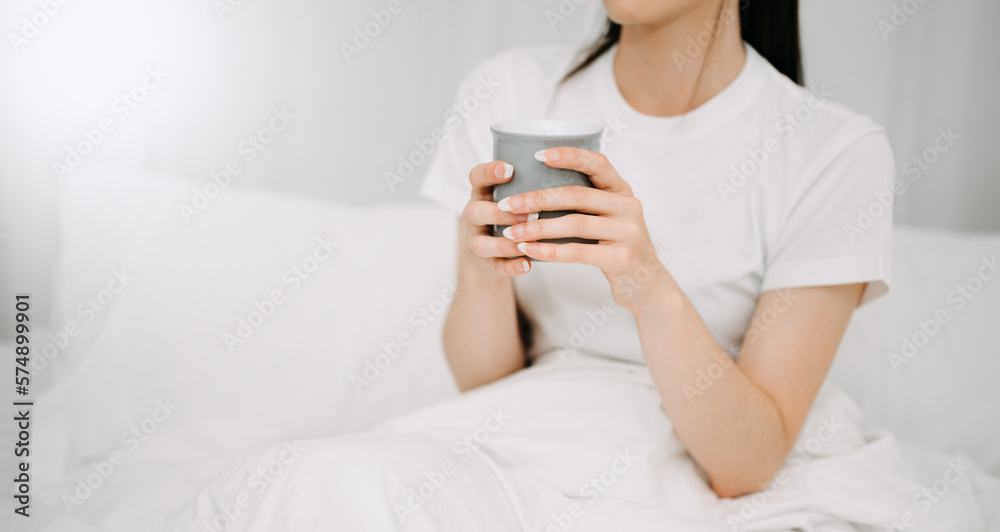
767,186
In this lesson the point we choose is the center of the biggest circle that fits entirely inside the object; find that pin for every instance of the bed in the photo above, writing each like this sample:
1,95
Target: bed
267,318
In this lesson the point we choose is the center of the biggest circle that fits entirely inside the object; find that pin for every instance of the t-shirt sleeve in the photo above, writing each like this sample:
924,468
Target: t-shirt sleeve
467,138
838,226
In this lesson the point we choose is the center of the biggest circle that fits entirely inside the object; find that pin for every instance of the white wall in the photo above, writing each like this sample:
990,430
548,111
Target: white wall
354,118
938,69
224,77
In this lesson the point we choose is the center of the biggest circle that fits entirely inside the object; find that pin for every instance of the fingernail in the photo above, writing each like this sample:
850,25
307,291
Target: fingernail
504,171
532,217
525,265
547,155
522,247
508,233
509,203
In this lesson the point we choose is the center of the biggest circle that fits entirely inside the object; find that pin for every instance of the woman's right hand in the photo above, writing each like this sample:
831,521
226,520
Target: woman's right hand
485,251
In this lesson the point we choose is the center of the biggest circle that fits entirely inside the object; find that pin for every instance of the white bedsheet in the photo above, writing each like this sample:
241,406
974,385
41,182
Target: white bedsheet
141,349
580,443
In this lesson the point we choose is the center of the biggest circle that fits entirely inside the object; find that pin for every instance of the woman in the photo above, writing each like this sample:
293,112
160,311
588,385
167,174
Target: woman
673,365
697,105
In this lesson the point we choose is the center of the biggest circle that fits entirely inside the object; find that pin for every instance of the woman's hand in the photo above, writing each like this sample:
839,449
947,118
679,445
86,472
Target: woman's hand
624,251
486,252
482,337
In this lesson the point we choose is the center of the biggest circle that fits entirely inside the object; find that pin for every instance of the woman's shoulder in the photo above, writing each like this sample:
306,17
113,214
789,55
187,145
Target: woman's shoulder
818,126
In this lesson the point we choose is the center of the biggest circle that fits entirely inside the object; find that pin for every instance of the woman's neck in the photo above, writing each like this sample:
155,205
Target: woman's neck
668,69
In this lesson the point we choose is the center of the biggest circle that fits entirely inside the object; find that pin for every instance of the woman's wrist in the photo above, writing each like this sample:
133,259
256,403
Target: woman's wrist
661,297
473,271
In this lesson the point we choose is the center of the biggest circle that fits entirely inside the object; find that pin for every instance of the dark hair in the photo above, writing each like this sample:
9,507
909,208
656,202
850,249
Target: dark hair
771,27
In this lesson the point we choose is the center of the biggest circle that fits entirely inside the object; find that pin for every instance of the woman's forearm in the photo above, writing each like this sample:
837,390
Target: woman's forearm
481,338
732,428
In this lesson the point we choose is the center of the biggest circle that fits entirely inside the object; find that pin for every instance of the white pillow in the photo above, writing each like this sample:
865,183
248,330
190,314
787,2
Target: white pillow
103,212
164,334
943,391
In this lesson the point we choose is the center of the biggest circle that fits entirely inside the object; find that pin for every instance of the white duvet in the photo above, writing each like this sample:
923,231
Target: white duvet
577,443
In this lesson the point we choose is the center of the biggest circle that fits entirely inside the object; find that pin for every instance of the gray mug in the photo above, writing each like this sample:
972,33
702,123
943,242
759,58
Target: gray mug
516,142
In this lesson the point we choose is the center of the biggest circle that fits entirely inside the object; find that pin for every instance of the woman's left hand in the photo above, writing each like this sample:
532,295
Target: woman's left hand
624,251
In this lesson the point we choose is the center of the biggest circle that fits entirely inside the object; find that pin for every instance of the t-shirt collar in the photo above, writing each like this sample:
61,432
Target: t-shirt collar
734,98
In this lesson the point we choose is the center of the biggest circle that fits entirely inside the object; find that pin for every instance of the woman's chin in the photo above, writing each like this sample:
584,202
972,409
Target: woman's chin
633,12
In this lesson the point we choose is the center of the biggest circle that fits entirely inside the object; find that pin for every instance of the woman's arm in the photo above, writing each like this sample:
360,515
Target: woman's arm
742,426
481,338
757,406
